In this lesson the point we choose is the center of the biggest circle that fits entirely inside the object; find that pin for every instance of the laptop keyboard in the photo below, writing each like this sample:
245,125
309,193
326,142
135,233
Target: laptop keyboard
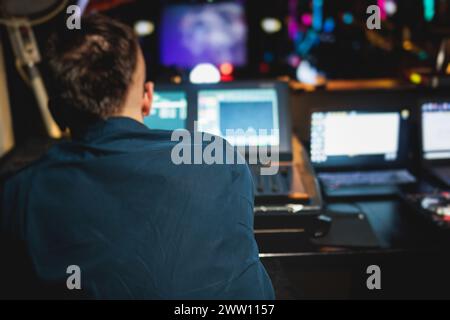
380,177
277,184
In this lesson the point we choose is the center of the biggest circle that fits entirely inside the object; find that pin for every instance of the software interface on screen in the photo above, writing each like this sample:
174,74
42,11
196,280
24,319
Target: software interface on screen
436,130
245,117
169,111
198,33
352,134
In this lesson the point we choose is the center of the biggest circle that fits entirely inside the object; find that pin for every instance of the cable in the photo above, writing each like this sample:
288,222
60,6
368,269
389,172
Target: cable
37,21
8,23
50,15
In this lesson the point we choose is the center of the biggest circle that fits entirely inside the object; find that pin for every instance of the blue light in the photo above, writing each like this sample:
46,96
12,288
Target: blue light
309,41
268,57
347,18
317,14
329,25
423,55
299,36
428,6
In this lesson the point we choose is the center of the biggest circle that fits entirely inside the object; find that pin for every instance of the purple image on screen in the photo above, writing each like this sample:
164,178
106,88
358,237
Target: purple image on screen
213,33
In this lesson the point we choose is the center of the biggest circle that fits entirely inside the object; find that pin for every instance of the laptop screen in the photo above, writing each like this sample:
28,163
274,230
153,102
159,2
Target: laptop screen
436,130
169,111
356,137
244,117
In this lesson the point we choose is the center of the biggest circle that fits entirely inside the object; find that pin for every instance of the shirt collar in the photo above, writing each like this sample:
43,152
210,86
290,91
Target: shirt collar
110,127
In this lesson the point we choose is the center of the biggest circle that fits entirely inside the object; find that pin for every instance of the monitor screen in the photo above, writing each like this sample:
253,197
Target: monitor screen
436,130
169,111
203,33
340,138
245,117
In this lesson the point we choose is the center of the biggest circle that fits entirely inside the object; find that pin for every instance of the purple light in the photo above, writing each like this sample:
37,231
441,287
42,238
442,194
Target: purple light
382,6
209,33
292,28
294,60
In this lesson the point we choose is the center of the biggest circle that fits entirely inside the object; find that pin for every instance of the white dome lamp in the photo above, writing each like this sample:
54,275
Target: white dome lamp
204,73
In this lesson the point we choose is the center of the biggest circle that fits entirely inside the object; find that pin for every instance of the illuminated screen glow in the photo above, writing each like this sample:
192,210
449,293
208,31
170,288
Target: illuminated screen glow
254,111
169,111
203,33
351,134
436,130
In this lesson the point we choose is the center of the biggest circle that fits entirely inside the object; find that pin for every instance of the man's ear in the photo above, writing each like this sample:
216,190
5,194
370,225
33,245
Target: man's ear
147,100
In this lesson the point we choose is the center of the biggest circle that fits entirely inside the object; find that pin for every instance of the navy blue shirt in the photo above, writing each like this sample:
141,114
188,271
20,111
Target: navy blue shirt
113,203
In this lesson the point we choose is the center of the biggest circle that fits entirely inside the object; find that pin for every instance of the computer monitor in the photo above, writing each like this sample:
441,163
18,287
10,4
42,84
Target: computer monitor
169,110
246,114
358,137
436,130
203,33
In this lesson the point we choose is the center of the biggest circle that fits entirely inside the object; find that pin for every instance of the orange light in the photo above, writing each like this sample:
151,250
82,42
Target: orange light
407,45
176,79
226,69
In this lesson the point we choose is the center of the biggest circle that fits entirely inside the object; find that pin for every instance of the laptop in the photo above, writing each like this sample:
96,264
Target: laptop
360,151
435,130
252,116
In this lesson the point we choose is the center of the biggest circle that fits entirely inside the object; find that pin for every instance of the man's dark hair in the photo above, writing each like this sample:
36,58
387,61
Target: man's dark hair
90,70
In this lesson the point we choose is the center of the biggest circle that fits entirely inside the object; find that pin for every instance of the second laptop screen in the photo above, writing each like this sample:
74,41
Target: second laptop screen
349,134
